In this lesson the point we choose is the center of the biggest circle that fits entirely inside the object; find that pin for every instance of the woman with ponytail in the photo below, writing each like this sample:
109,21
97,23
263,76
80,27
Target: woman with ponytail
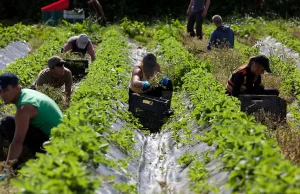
247,78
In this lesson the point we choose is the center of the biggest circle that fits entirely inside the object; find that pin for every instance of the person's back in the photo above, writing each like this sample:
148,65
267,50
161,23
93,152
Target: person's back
198,5
49,114
80,44
222,37
75,48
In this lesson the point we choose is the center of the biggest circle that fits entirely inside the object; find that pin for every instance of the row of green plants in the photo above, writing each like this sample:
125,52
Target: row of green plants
17,32
287,134
175,63
241,144
79,143
253,29
145,34
28,67
246,152
248,30
285,32
284,77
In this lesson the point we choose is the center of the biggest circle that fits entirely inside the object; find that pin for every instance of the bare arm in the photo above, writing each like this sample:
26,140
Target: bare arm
91,51
68,85
189,8
98,8
158,68
22,118
101,11
68,47
136,78
206,8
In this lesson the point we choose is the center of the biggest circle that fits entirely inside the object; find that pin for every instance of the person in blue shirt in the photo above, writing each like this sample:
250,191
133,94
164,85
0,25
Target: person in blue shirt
222,37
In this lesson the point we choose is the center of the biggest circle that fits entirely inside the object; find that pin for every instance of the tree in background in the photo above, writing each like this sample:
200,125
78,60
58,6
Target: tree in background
118,9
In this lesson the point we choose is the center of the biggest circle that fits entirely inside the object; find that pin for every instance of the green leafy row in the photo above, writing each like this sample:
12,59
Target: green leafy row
27,68
80,143
16,32
245,151
252,159
286,32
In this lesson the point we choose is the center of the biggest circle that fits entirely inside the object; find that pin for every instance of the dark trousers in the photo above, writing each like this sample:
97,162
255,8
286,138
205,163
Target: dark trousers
156,92
198,18
270,91
34,138
259,90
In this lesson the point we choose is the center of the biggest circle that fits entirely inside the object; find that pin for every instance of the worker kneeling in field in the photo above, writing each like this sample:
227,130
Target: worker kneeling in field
80,44
247,78
56,75
35,117
139,82
222,37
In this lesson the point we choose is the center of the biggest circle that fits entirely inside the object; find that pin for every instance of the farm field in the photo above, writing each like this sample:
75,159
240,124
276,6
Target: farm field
207,145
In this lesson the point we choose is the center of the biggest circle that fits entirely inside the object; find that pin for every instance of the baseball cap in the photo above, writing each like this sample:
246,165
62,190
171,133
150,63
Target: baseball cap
8,78
264,61
54,61
82,41
149,62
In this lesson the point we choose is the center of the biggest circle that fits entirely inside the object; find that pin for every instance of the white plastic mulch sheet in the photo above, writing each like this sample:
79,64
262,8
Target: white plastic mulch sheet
270,47
13,51
155,169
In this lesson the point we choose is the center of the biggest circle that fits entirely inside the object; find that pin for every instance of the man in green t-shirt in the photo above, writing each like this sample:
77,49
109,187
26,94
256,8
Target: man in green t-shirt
35,116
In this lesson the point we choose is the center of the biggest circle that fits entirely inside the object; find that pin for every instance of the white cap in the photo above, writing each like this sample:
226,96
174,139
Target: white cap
82,41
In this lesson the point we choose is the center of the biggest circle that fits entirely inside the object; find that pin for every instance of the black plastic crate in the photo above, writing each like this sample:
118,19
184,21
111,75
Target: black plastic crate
77,67
149,107
269,103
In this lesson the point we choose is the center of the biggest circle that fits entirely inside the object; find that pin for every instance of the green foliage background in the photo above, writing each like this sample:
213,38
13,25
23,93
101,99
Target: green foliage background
147,9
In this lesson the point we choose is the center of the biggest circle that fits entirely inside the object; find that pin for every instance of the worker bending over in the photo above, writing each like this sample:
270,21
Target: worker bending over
247,78
80,44
141,73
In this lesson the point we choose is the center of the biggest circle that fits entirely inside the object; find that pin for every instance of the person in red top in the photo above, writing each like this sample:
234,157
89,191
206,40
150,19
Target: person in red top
247,78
